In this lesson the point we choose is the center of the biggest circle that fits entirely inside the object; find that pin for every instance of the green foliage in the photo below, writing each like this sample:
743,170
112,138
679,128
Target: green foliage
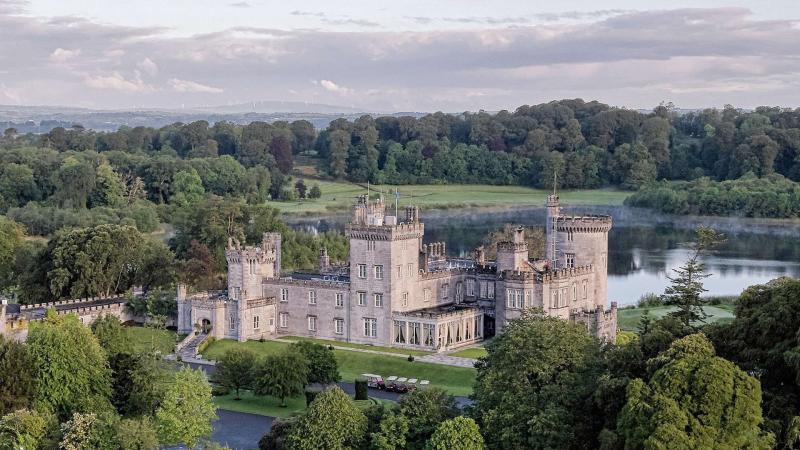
111,335
108,189
362,391
136,434
17,376
460,433
694,399
534,388
276,438
332,422
72,373
322,366
139,383
391,434
282,375
24,429
186,413
88,431
11,238
425,409
235,369
315,192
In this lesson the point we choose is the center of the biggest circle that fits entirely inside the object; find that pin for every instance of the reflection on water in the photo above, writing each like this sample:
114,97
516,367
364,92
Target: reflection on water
644,247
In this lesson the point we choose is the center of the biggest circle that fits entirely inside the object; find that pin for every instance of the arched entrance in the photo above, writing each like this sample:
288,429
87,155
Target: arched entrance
205,326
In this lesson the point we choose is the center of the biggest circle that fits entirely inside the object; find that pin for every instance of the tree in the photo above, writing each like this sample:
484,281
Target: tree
282,376
24,429
72,373
234,369
186,413
632,166
694,399
460,433
17,185
111,335
333,421
338,147
425,409
186,188
74,181
687,283
12,235
281,149
136,434
392,433
108,189
17,376
315,192
322,365
276,438
534,388
300,187
87,431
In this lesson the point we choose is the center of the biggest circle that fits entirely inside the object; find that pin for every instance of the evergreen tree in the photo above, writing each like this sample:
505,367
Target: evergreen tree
687,283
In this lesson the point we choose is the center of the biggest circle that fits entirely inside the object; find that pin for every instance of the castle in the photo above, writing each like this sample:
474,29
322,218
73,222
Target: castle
397,291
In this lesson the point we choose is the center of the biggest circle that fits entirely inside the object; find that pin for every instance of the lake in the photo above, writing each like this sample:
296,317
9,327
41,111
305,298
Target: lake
644,246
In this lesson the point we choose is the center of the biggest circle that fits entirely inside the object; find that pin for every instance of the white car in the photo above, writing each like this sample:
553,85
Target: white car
373,381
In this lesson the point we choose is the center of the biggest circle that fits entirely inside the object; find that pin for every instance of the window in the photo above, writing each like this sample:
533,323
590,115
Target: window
584,289
362,298
271,322
399,332
312,297
252,266
470,287
370,246
255,322
338,326
444,289
399,271
405,298
410,271
362,271
490,289
339,299
283,320
484,289
554,300
237,293
378,272
574,292
514,298
284,295
528,299
312,323
459,292
570,260
370,327
378,299
232,323
426,295
413,333
428,334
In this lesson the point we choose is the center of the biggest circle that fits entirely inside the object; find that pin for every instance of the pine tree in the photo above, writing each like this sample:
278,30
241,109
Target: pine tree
687,283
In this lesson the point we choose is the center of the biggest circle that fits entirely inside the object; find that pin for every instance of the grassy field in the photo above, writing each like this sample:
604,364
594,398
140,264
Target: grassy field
472,352
144,338
628,318
338,195
377,348
455,380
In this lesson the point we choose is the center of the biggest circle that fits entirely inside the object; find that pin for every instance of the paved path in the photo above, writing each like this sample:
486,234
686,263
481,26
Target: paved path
239,431
439,358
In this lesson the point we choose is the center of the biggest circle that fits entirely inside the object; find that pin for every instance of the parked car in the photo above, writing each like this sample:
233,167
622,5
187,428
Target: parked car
374,381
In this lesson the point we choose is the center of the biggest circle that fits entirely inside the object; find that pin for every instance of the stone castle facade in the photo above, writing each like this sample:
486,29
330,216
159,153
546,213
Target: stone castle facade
397,291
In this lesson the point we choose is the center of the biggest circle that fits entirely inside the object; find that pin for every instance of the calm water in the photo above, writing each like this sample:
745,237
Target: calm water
644,247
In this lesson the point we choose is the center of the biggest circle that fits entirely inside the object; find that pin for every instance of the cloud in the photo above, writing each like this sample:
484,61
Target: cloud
240,4
352,21
330,86
193,86
117,82
307,13
148,66
61,55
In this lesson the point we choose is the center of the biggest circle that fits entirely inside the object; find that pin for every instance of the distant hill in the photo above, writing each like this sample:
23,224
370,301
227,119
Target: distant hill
269,106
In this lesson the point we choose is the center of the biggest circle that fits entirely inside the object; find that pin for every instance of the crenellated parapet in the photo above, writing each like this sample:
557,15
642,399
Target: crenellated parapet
400,231
235,253
583,224
325,284
559,274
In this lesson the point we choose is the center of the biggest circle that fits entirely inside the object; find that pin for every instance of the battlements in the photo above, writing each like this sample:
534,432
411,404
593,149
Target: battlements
400,231
327,284
265,253
570,272
583,224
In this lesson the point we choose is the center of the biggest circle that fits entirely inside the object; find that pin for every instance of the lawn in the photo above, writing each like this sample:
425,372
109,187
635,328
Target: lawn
472,352
338,195
455,380
377,348
145,338
270,406
628,319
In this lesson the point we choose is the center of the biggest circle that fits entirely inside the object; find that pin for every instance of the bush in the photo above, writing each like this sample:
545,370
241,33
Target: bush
410,358
362,391
650,300
311,393
218,390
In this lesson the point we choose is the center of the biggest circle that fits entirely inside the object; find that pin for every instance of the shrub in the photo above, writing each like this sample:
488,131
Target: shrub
361,389
311,393
410,358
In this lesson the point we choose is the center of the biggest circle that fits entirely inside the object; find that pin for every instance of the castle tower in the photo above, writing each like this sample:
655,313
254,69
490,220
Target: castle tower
512,255
271,242
553,212
583,241
184,311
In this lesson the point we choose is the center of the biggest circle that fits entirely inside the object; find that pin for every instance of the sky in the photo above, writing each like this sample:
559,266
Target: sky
404,55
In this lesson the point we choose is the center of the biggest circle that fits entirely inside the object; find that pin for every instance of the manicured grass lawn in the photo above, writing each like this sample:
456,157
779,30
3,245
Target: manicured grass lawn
144,338
455,380
628,319
376,348
472,352
270,406
265,406
337,195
